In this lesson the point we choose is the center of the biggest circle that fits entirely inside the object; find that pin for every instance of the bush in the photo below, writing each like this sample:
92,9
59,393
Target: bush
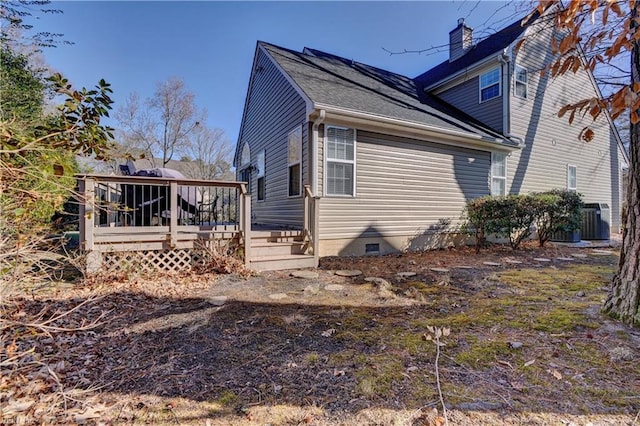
506,217
556,211
512,216
478,214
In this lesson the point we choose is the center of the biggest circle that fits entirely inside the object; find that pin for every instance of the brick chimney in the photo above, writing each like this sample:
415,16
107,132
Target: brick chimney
460,40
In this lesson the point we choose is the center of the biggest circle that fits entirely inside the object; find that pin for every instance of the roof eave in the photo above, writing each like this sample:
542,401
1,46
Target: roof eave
390,125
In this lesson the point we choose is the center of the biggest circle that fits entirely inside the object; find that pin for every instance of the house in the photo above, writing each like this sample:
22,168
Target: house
391,160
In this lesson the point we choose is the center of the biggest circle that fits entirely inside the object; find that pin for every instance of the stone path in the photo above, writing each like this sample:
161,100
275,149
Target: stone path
348,273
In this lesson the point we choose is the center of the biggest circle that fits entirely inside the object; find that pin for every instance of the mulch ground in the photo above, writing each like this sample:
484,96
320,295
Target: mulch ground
204,349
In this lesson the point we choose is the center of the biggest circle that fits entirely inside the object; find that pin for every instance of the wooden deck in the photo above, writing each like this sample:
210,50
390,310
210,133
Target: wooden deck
147,223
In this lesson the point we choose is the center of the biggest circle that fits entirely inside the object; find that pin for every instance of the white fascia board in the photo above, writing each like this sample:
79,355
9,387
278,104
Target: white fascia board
307,100
397,127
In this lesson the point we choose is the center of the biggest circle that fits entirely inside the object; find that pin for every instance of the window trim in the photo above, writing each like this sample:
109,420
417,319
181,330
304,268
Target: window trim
516,81
504,178
299,162
337,160
481,87
575,168
261,175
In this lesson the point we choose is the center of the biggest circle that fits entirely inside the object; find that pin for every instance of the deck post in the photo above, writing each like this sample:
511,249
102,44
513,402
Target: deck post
307,233
86,210
316,232
245,226
173,220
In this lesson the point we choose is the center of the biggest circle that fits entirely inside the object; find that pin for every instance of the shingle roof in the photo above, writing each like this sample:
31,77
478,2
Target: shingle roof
334,81
489,46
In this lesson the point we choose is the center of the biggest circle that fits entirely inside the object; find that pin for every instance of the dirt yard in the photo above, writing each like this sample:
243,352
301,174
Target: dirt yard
527,345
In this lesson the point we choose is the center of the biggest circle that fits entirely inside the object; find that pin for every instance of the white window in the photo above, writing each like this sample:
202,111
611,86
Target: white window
572,178
340,149
520,82
260,172
490,85
498,174
295,162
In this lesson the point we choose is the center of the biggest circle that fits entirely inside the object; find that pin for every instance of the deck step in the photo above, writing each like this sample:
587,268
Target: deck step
280,262
277,236
265,248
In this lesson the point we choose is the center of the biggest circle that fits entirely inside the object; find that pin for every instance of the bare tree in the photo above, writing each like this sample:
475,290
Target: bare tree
210,151
161,127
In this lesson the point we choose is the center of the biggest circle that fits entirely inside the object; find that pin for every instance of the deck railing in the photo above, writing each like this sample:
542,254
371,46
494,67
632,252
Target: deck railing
311,221
128,213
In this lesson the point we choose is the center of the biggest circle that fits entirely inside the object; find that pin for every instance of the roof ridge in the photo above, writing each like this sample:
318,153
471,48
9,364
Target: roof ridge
478,51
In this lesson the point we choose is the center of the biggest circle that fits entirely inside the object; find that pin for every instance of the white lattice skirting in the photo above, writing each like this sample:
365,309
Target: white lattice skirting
147,262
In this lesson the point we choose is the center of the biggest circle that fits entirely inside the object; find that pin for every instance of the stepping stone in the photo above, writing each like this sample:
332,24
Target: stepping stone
309,275
566,259
311,290
348,273
492,263
513,261
541,259
442,270
333,287
579,255
218,300
406,274
278,296
602,252
380,282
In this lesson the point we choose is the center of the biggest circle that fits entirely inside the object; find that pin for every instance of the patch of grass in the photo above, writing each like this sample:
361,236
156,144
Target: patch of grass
560,319
557,283
482,353
312,358
378,374
227,398
411,342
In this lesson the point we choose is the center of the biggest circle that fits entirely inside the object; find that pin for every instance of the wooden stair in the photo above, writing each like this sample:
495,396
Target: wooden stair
273,250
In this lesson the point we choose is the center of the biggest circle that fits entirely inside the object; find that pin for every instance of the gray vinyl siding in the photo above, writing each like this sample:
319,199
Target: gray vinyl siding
404,187
551,142
274,109
466,97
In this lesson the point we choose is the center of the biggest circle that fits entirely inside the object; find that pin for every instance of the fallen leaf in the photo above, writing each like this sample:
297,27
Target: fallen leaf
329,332
519,386
555,373
506,363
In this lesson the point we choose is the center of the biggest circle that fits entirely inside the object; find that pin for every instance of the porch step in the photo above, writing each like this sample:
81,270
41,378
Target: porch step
277,236
261,248
282,262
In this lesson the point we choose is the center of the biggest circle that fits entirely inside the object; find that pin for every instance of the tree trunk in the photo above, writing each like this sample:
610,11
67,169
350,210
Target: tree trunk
624,298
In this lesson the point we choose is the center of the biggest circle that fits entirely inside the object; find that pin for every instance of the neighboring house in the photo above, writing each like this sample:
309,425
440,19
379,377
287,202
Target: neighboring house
393,160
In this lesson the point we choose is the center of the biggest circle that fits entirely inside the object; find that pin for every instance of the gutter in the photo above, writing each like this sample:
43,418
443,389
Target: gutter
504,58
405,126
313,170
463,71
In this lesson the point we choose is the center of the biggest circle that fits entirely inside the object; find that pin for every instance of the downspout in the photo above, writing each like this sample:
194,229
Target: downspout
504,60
314,152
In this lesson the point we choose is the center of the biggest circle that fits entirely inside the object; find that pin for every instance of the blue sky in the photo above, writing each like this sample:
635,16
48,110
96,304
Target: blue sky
210,44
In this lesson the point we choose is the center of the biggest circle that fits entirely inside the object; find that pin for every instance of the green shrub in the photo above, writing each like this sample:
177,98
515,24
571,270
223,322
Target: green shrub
478,214
512,216
556,211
